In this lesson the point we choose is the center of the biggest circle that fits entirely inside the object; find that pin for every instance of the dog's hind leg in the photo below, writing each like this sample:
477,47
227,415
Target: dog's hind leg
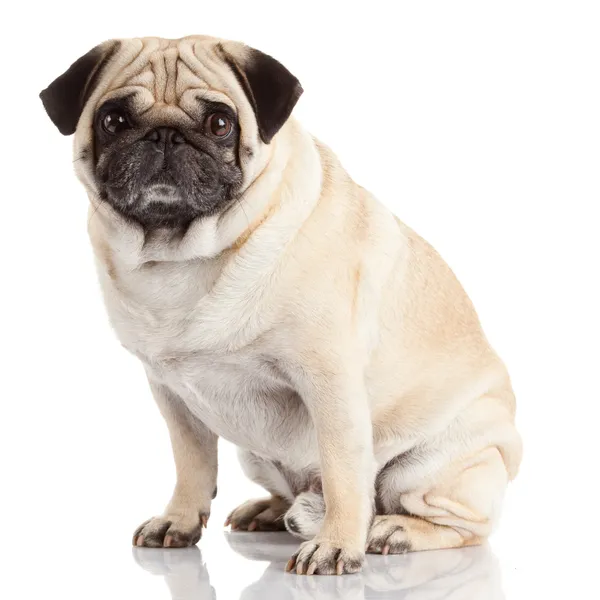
460,509
262,514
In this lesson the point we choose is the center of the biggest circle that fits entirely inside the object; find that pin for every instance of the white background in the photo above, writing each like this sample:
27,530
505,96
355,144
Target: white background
477,122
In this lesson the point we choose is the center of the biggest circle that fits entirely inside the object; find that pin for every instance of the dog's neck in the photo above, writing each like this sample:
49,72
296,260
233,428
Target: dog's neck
221,271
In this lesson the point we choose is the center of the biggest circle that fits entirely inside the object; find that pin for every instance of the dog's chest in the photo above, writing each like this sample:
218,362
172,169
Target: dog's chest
241,395
243,398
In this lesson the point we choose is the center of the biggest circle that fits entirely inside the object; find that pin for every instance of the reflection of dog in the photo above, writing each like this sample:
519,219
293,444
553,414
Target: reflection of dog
183,570
276,303
460,574
274,583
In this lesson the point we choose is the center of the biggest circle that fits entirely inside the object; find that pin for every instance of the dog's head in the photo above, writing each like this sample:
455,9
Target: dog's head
171,130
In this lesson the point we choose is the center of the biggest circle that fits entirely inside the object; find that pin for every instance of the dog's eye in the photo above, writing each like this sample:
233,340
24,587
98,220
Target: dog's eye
218,125
114,122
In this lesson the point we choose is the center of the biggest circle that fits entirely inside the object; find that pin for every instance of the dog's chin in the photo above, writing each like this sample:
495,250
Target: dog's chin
163,205
158,206
161,194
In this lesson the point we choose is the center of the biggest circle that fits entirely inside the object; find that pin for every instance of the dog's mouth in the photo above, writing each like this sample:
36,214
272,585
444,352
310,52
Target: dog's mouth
157,204
166,189
161,199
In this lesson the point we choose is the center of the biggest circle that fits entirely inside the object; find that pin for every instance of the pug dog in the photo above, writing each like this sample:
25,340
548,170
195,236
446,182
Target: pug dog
276,303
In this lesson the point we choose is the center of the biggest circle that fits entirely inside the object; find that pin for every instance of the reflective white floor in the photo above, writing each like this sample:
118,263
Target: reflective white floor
72,541
464,574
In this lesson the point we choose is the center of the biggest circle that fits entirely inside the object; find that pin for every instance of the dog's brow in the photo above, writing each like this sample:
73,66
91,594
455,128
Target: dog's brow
213,97
124,100
217,105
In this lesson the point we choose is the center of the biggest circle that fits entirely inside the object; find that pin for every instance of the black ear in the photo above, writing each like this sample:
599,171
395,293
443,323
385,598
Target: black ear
66,96
272,90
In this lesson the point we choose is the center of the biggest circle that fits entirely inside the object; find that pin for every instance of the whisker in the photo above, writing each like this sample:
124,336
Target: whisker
95,210
240,203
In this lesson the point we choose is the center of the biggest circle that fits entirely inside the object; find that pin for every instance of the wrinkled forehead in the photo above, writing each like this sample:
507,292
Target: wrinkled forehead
174,75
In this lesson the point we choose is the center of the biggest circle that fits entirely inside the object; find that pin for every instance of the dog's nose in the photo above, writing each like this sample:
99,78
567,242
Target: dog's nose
165,136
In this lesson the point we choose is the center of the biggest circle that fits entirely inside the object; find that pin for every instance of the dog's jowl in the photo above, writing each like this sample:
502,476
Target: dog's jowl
275,303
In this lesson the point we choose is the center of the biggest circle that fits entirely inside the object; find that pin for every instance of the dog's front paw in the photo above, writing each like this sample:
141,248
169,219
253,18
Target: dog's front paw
318,557
170,532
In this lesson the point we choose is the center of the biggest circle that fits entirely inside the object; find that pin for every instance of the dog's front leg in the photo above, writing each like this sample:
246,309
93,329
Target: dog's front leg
337,401
195,452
